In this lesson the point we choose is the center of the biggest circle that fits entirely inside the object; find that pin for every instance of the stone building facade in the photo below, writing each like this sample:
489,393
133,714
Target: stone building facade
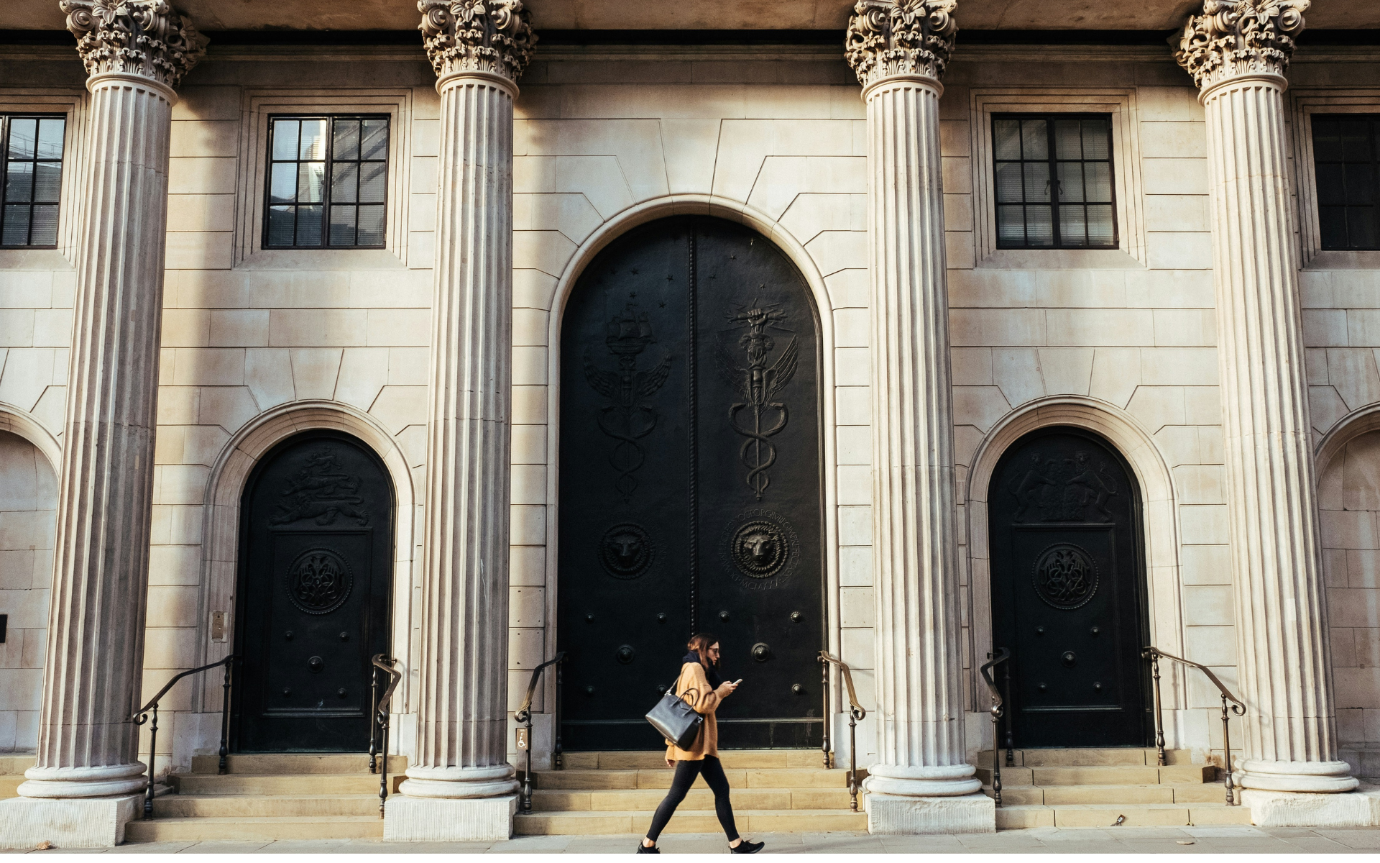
1199,322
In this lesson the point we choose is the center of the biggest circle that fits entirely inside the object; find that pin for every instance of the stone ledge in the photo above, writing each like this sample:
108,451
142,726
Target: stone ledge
66,822
1292,809
433,819
971,813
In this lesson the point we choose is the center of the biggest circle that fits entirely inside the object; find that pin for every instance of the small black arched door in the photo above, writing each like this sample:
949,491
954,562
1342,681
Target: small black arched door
1068,590
316,551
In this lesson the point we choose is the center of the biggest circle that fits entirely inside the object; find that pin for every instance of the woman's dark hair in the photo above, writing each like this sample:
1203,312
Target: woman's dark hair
699,645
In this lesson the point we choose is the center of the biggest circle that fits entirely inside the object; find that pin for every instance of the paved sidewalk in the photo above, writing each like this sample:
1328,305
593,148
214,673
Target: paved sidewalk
1127,840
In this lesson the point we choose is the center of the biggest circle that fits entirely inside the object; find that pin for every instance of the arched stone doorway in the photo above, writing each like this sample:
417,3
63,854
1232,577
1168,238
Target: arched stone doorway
1068,590
690,483
316,552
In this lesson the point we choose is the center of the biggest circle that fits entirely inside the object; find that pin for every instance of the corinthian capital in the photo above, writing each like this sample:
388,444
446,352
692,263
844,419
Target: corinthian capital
477,36
134,37
1240,37
900,37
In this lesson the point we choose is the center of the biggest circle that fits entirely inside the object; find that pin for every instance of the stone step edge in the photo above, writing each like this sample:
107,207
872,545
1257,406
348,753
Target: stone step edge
612,813
260,819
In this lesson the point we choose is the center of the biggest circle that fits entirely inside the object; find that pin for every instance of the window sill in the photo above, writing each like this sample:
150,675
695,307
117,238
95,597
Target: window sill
321,259
1059,259
1344,261
33,259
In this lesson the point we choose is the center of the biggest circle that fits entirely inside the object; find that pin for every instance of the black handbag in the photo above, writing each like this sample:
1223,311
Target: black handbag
676,720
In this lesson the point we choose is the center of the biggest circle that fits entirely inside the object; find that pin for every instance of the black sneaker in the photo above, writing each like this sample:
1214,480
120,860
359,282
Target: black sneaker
643,849
746,847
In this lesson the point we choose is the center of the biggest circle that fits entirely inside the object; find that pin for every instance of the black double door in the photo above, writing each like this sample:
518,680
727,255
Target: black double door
690,484
315,562
1068,591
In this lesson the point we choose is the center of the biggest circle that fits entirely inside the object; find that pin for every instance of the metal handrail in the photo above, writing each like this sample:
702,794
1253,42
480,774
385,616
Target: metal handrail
1231,705
150,711
998,709
855,714
378,718
524,717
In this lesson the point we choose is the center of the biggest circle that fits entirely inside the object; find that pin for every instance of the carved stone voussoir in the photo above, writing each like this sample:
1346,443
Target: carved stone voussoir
134,37
1240,37
900,37
477,36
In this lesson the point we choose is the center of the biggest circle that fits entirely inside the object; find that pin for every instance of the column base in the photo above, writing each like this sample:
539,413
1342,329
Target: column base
1310,777
89,822
905,816
1292,809
436,819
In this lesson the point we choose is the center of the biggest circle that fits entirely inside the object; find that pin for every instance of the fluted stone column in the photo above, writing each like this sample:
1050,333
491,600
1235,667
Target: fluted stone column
79,791
460,784
923,783
1238,55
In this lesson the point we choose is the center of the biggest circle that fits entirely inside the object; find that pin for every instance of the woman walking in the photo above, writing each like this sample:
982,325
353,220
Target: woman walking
701,687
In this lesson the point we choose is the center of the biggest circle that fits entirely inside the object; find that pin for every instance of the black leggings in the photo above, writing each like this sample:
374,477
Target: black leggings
686,771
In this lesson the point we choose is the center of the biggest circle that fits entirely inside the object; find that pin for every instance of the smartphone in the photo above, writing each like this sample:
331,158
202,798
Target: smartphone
738,681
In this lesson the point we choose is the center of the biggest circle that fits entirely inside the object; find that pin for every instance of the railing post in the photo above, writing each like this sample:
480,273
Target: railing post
222,766
557,760
1159,713
153,761
1226,753
852,758
373,718
828,713
1006,700
383,740
996,753
527,773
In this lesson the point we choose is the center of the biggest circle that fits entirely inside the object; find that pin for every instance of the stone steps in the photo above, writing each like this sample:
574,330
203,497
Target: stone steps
279,784
1105,815
735,759
1182,774
1108,757
700,797
234,806
293,764
694,821
237,827
1057,795
607,780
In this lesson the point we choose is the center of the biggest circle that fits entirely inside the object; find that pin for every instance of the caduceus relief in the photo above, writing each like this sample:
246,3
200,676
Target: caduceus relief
627,420
759,417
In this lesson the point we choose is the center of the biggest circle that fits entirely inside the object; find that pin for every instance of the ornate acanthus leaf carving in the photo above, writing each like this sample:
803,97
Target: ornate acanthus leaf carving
477,36
138,37
1240,37
900,37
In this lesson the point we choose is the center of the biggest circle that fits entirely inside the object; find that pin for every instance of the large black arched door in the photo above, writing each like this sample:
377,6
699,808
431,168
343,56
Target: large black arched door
316,551
1068,590
690,484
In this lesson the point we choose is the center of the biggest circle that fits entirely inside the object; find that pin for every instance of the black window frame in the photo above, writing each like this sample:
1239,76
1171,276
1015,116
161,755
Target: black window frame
6,125
269,162
1372,121
1050,117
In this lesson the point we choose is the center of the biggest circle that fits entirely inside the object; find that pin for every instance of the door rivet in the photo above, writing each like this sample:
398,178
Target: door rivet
316,663
761,652
288,635
1069,659
1095,630
1097,687
797,689
626,654
589,690
589,618
661,618
796,617
723,615
287,690
344,636
1039,630
1043,687
340,692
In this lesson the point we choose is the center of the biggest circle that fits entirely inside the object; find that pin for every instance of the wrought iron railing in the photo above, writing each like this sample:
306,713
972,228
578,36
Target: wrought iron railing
1231,705
378,720
998,710
524,717
855,714
149,713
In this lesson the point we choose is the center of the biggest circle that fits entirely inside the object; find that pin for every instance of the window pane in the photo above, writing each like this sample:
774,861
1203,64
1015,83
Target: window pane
22,134
50,138
342,226
1097,139
280,228
48,181
1034,139
373,139
1331,185
1098,176
1037,181
309,226
372,177
1355,140
1006,135
1101,228
1360,183
1039,226
19,182
311,182
285,139
283,189
1068,140
370,226
1011,225
346,143
344,181
1327,143
1009,182
313,146
1360,224
16,229
1071,181
45,219
1072,226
